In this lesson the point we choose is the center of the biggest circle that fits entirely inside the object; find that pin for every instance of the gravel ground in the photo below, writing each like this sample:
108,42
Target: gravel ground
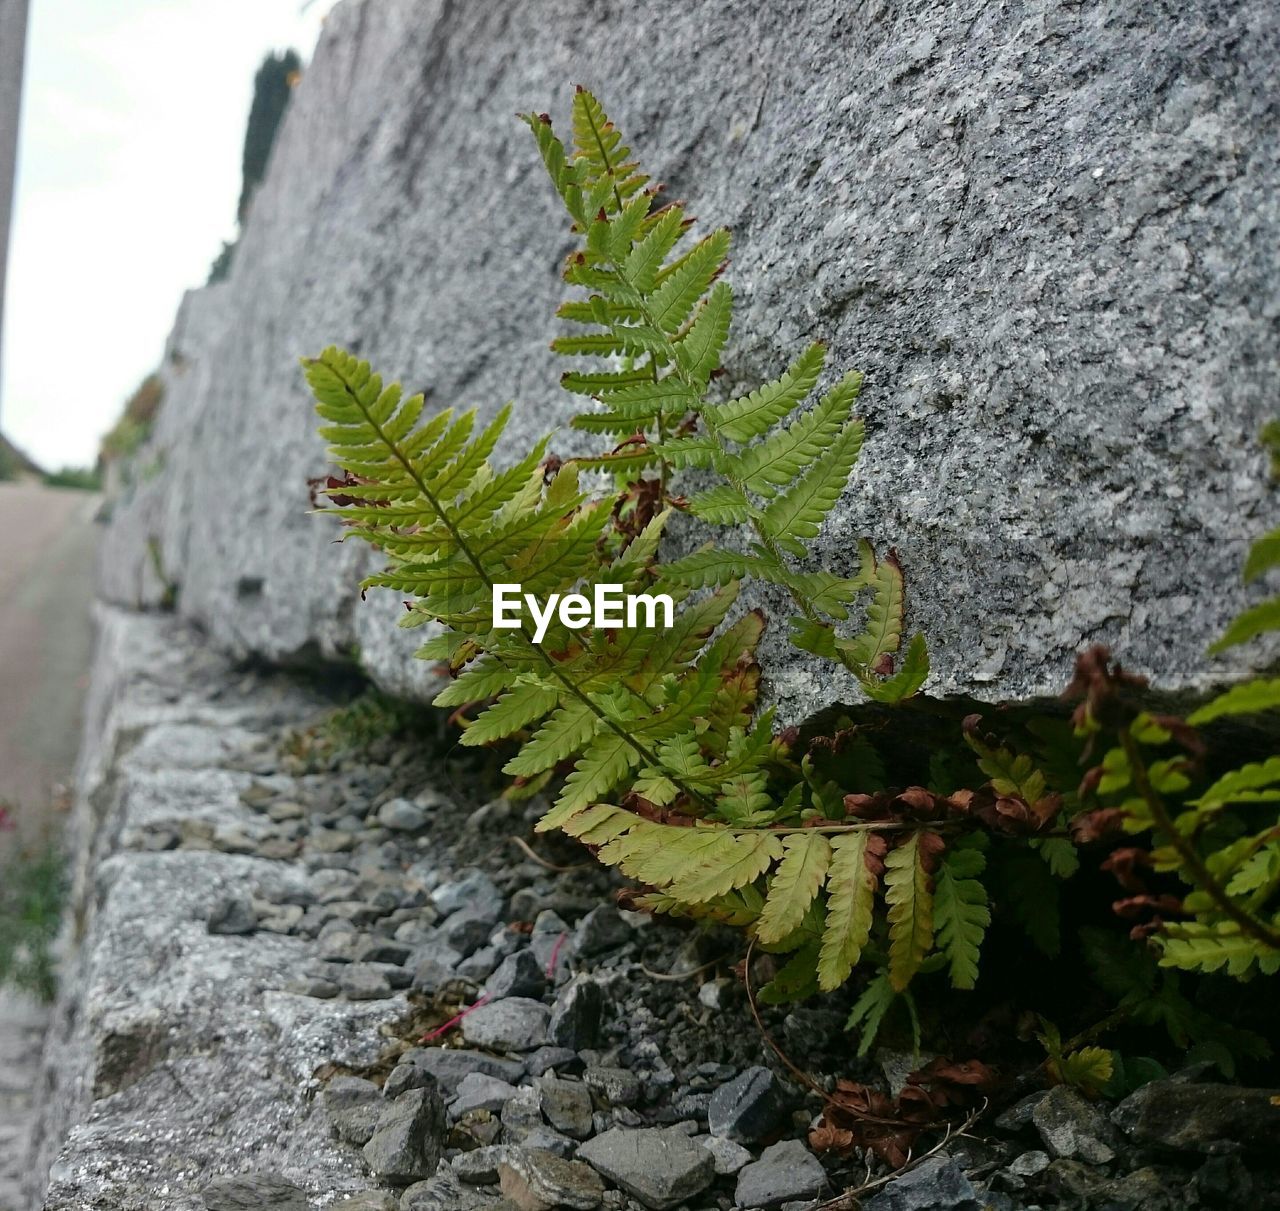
313,978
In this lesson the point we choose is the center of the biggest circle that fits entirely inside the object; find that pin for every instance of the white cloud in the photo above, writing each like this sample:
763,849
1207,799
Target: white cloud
128,176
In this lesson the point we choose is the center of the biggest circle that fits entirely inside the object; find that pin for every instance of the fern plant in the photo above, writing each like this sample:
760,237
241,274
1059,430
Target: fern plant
654,306
670,770
660,753
1221,839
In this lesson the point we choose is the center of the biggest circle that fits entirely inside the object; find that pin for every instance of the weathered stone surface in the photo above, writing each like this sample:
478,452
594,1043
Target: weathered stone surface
1181,1115
1072,1127
254,1192
785,1172
936,1184
1049,235
516,1024
747,1108
535,1180
409,1139
161,1028
662,1168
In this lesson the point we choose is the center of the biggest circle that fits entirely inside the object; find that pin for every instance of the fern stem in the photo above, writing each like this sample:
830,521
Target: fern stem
604,155
484,576
1260,931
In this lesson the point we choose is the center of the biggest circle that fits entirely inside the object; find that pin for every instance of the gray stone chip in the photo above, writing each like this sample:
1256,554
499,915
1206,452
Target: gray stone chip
253,1191
661,1167
515,1024
785,1172
409,1140
536,1180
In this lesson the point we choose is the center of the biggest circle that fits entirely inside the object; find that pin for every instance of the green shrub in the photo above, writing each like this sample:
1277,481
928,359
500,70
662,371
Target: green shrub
32,891
136,421
84,479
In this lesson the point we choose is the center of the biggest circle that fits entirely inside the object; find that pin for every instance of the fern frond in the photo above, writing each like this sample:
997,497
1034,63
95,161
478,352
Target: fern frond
516,709
800,512
907,680
699,350
483,680
1261,619
851,888
676,297
869,1010
601,767
741,859
883,631
780,458
1264,555
723,505
909,895
1249,698
795,885
961,915
1203,946
753,415
1248,784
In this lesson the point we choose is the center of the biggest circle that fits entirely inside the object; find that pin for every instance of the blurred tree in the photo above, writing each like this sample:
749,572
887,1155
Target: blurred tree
272,87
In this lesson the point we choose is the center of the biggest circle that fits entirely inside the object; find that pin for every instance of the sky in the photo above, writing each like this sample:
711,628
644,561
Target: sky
128,175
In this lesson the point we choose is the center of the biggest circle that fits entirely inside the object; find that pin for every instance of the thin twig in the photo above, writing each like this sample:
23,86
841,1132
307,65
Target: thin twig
852,1197
803,1077
530,852
677,975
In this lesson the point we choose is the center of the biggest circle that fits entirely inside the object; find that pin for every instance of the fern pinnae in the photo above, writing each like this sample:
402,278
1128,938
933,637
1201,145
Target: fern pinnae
909,894
851,888
795,884
353,395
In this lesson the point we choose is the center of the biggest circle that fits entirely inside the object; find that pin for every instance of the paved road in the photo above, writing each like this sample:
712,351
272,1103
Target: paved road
47,540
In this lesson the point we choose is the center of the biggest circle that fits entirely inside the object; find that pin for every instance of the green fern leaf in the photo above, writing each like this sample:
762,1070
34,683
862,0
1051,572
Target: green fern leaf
1249,698
907,680
800,512
961,915
1199,946
780,458
516,709
797,981
722,505
604,764
883,632
741,861
1241,785
699,351
640,268
713,566
672,301
869,1010
565,732
485,678
1259,620
795,885
851,888
1263,556
753,415
909,896
564,175
1087,1069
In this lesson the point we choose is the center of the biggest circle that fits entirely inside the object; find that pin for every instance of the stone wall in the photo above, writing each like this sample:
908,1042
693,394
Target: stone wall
1047,232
